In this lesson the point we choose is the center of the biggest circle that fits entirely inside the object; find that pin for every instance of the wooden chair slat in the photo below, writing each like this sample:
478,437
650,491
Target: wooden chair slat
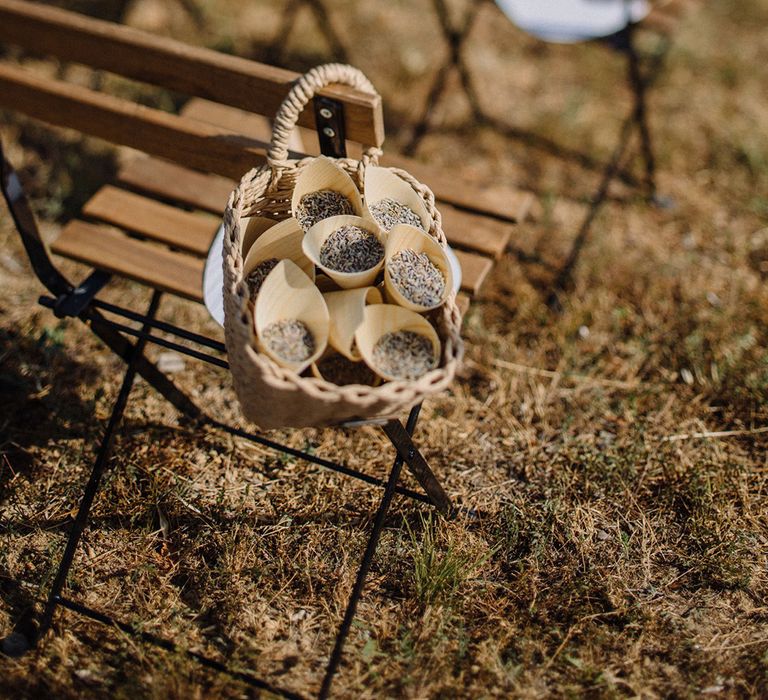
501,202
183,230
138,214
473,232
177,183
474,270
169,181
110,250
162,61
184,140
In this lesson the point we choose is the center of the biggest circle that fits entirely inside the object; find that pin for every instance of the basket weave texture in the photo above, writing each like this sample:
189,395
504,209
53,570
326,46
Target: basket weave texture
270,395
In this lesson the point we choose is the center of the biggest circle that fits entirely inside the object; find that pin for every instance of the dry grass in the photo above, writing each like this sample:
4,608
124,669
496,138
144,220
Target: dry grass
613,455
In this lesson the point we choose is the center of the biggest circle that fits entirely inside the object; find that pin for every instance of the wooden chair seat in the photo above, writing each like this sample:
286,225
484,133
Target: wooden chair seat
164,245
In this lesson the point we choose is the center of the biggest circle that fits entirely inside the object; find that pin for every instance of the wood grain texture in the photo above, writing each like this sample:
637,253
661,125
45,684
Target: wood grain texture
183,230
240,121
177,183
474,270
173,182
181,139
192,70
502,202
474,232
110,250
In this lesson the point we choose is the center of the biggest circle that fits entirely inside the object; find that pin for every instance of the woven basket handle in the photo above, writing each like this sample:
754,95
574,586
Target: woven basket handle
299,97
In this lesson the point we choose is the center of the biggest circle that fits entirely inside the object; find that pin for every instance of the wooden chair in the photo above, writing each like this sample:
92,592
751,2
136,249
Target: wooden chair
154,224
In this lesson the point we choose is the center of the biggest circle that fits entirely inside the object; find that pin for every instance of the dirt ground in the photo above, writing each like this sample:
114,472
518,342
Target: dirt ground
611,455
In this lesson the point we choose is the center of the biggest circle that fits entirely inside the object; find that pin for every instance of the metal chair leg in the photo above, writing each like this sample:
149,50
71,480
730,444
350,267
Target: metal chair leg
99,467
409,453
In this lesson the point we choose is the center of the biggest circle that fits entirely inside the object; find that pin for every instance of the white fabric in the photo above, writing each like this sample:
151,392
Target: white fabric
213,277
570,21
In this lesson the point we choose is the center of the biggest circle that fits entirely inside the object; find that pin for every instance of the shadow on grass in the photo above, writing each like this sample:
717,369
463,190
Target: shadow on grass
41,396
41,399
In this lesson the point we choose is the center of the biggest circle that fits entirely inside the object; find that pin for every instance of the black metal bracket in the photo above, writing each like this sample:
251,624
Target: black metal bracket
79,299
329,121
409,453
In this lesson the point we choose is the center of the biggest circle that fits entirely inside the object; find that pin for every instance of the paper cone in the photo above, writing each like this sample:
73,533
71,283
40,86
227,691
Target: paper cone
316,236
288,293
323,174
379,319
403,237
282,241
256,225
382,183
345,310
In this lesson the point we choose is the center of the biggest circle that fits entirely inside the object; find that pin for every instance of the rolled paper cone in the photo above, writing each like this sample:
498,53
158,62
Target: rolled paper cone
345,310
288,294
405,237
323,174
317,235
282,241
379,319
382,183
254,228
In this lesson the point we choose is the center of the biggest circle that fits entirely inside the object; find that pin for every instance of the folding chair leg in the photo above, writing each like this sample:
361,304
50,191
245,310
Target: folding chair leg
640,114
99,467
419,467
365,565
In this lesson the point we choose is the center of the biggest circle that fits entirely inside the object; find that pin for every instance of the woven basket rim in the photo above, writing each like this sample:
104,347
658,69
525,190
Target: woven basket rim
260,186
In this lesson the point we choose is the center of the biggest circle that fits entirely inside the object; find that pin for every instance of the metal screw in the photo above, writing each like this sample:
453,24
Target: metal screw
330,133
326,113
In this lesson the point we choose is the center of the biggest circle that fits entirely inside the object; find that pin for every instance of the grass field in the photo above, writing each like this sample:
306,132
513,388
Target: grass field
612,454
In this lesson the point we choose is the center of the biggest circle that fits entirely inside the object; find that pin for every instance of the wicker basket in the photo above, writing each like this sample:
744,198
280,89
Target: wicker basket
270,395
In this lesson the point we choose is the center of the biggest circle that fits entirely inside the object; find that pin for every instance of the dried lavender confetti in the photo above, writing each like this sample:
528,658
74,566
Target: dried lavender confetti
256,277
351,249
289,339
403,354
337,369
416,277
316,206
389,212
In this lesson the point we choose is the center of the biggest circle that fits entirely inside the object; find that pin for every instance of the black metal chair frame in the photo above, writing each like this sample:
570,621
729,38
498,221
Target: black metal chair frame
78,301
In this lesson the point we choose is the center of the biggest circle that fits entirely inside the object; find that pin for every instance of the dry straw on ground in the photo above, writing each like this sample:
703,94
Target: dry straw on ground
603,554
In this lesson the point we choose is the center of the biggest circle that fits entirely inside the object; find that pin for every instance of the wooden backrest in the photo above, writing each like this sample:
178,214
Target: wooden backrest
166,63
